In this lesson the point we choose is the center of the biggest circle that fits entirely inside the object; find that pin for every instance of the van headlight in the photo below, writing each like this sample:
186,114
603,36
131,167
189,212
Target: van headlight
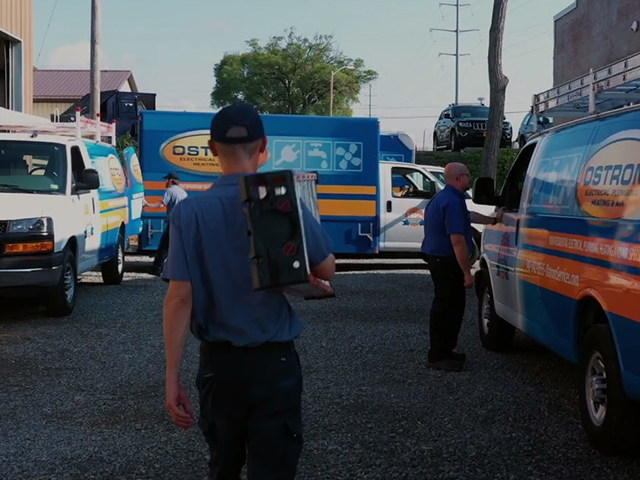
31,225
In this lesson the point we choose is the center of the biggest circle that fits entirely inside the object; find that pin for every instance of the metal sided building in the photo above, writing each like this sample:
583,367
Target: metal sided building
16,55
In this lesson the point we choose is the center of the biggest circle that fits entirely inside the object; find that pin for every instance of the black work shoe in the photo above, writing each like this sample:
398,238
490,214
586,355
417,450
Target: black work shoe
461,357
448,365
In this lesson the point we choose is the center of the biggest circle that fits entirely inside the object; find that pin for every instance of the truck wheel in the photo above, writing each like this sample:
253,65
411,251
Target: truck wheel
63,296
495,333
113,270
609,417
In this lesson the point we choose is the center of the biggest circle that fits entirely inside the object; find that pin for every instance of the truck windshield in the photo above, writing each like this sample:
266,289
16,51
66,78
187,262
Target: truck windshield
32,167
470,112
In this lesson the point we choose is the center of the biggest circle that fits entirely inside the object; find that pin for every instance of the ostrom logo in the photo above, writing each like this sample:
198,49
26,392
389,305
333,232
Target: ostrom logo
609,184
190,152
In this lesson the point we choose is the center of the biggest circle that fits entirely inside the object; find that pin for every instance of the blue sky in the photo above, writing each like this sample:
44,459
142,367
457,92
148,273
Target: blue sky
173,45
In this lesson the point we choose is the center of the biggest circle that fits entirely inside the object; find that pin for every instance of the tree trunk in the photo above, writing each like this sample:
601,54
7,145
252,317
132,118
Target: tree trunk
497,90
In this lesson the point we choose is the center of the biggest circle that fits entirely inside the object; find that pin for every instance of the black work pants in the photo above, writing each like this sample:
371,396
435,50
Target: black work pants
447,309
250,410
163,249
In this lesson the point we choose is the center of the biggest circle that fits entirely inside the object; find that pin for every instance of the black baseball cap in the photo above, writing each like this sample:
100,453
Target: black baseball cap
244,116
171,176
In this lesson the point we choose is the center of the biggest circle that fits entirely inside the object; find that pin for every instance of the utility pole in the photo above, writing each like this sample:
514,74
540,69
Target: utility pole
457,31
94,100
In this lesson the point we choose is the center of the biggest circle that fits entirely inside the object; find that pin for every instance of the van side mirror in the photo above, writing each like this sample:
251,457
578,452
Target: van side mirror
447,115
484,191
90,180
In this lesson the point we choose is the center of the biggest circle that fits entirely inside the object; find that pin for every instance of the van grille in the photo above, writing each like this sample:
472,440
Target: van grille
3,227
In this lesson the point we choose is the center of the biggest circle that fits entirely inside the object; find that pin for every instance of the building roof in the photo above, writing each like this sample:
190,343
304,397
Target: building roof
74,84
564,11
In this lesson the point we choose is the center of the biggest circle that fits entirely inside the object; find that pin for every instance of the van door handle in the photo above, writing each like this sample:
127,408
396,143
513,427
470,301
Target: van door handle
517,231
388,205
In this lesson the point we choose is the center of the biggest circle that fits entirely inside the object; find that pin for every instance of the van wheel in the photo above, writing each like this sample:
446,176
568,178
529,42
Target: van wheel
436,145
609,417
62,299
495,333
113,270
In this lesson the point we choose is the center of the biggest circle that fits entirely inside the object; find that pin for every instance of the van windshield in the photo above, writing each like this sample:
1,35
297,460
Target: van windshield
32,167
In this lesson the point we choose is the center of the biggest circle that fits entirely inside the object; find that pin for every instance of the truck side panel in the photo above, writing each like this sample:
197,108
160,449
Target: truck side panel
344,152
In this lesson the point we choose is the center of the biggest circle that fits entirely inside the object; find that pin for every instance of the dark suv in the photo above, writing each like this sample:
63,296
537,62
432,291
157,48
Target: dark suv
465,125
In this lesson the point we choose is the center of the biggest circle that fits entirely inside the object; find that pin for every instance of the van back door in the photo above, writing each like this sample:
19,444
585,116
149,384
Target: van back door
135,196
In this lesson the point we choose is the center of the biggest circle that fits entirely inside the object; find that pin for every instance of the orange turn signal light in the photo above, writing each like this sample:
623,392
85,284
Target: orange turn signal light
33,247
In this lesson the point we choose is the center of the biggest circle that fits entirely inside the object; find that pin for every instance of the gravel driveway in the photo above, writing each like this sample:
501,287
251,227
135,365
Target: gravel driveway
82,397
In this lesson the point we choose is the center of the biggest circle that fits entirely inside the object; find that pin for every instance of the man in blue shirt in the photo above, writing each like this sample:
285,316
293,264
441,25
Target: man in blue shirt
173,195
447,247
249,378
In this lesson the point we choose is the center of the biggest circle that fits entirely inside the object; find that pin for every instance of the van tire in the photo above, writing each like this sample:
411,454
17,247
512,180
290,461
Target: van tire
495,333
113,270
62,299
614,430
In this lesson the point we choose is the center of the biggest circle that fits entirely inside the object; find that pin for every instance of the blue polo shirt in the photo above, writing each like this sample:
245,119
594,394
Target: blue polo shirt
210,248
446,214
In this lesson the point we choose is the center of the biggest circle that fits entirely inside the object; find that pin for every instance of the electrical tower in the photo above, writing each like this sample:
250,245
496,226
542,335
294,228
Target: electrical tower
457,31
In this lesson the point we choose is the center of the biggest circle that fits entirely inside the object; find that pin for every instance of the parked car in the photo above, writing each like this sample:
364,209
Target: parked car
529,128
465,125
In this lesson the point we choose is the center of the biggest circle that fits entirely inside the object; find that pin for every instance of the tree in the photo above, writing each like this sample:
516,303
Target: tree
290,75
497,90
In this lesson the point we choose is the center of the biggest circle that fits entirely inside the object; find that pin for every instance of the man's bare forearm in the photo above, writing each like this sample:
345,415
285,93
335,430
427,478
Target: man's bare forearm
177,315
462,255
478,218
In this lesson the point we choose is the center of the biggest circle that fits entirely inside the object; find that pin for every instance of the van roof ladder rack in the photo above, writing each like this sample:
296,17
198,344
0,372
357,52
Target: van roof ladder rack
81,127
614,86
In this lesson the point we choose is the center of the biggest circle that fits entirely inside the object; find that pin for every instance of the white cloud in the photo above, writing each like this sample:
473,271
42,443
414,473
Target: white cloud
76,56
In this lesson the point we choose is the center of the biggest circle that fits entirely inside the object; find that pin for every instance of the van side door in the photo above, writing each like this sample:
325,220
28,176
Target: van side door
406,192
86,208
504,240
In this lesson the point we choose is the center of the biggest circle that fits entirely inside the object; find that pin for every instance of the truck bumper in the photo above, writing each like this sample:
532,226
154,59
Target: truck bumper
30,270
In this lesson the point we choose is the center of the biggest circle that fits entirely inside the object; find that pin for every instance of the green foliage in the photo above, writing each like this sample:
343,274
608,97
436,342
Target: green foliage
123,142
290,74
473,160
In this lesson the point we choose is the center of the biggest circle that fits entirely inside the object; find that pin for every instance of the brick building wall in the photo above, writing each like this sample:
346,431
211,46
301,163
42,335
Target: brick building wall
592,34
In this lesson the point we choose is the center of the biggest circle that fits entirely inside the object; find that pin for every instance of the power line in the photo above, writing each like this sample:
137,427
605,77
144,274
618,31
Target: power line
409,117
46,31
457,31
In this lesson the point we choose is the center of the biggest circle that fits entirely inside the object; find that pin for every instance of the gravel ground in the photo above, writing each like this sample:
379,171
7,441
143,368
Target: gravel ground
82,397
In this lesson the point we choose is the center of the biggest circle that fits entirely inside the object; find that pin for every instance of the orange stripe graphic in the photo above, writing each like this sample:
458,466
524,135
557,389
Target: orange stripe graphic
618,291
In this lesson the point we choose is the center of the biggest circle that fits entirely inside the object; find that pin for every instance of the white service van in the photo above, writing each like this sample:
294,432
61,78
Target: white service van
65,205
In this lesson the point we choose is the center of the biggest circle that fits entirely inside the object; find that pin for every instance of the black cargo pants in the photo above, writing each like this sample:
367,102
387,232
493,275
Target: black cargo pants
250,409
447,309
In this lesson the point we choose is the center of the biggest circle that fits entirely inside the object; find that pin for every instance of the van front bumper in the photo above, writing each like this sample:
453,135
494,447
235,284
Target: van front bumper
30,270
